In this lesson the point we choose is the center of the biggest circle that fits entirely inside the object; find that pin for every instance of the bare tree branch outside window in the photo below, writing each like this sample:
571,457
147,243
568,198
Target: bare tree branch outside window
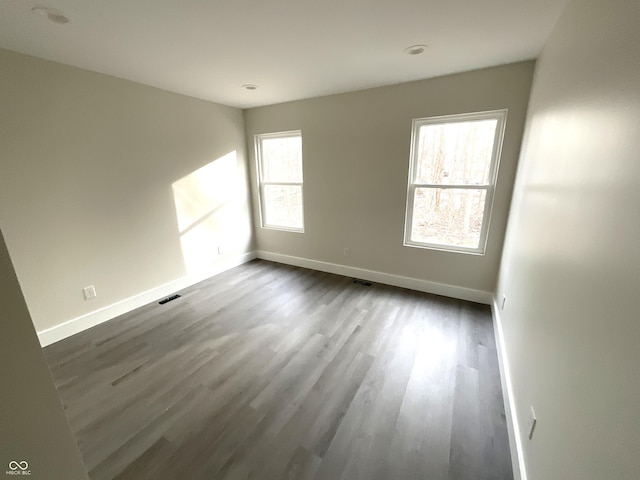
452,175
280,171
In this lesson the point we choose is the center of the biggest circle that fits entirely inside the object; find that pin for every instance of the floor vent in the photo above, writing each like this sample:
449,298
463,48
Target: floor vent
364,283
168,299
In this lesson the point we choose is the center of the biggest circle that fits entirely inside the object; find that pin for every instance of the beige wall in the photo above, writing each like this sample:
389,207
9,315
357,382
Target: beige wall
356,156
115,184
33,427
571,266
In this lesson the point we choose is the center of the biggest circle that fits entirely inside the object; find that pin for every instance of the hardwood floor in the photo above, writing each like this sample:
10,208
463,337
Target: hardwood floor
275,372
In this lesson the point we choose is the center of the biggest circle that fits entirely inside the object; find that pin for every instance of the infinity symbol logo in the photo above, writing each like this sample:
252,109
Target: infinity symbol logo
13,465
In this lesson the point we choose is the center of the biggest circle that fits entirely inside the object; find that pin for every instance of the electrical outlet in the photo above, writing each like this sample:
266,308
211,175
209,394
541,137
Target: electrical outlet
504,301
220,250
531,424
89,292
346,251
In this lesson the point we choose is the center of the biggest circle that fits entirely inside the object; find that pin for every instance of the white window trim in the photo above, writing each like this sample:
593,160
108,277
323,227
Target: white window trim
501,117
261,184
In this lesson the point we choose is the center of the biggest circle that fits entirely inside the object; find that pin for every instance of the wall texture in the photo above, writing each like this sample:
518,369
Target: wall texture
571,266
33,425
110,183
355,157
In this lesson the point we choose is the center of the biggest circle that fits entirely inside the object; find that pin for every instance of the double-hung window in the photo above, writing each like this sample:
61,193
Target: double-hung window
452,177
279,158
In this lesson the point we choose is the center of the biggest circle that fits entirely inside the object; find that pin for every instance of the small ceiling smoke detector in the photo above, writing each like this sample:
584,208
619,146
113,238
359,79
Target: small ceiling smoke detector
415,49
250,86
50,14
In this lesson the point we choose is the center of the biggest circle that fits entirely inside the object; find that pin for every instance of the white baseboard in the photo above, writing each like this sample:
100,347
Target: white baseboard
513,426
461,293
91,319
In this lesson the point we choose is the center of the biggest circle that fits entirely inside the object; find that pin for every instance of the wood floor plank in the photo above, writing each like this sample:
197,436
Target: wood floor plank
424,422
144,438
269,371
146,465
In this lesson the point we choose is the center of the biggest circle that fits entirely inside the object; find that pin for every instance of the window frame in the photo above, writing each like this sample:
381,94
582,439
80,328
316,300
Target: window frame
261,183
489,187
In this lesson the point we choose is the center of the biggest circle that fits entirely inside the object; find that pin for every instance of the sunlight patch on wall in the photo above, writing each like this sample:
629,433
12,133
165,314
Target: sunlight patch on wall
207,212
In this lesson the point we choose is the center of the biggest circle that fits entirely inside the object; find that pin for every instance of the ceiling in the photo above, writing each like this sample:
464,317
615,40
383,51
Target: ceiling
291,49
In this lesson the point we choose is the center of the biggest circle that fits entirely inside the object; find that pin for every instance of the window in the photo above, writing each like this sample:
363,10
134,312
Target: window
279,157
452,176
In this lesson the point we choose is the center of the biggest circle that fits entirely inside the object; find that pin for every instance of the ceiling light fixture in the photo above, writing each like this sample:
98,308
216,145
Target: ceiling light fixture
50,14
250,86
415,49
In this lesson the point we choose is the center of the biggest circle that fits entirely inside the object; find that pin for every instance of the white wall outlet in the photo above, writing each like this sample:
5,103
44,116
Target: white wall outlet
504,301
89,292
220,250
531,424
346,251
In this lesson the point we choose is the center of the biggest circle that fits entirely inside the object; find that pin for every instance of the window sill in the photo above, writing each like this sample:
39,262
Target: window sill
445,248
283,229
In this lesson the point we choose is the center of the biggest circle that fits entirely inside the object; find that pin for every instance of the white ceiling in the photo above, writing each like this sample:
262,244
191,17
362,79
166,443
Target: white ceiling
292,49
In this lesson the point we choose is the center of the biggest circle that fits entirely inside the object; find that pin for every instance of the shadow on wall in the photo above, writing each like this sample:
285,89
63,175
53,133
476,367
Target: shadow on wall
209,222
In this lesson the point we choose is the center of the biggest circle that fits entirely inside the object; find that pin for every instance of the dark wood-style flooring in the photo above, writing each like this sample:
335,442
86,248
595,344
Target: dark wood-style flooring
274,372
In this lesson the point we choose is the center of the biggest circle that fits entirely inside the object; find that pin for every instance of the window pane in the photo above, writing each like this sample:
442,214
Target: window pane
450,217
283,205
456,153
282,159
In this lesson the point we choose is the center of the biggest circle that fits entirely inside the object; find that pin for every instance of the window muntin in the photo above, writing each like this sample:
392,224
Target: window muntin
279,157
452,174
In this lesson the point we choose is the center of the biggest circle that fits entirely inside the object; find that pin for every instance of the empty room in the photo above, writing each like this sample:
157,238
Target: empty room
331,241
